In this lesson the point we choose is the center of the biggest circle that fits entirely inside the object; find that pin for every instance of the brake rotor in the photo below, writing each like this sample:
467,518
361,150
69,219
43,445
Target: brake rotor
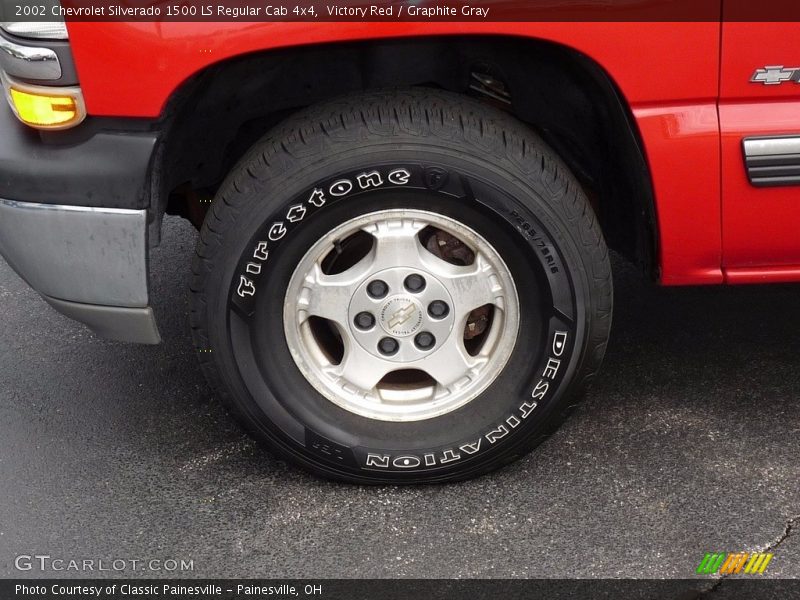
451,249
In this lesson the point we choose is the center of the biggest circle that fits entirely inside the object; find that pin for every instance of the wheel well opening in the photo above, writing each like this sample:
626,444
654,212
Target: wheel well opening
567,98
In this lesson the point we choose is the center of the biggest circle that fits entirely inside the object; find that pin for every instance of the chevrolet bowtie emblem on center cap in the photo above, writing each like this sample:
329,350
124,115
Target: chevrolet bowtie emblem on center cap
401,315
776,75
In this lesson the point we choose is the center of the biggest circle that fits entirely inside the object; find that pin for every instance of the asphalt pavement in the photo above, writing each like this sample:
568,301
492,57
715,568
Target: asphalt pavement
687,443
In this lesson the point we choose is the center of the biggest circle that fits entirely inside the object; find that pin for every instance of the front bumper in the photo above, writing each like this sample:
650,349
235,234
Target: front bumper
73,224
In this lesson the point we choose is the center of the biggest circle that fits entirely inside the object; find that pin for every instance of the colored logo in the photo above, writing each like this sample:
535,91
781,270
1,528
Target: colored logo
735,563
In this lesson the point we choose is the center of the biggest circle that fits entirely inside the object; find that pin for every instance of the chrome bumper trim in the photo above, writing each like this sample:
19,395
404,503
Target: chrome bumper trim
79,254
29,62
136,325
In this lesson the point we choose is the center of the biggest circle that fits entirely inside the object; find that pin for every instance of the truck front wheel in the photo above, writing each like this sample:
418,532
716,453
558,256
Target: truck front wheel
403,286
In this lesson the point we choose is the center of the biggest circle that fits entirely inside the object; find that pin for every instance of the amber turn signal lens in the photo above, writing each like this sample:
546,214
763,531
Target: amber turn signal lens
45,110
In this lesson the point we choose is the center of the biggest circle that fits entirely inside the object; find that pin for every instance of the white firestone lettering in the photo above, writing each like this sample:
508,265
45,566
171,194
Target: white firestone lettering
296,213
261,251
253,268
430,460
276,232
246,287
368,180
341,187
399,177
317,198
513,421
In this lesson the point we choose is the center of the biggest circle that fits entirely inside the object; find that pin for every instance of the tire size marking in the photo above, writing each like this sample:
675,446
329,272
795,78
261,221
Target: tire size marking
524,410
297,212
547,251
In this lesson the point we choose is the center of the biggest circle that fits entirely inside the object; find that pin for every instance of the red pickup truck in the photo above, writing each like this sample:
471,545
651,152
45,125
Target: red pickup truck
402,272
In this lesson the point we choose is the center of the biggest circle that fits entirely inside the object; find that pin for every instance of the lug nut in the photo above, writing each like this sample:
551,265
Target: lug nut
438,309
377,289
388,346
364,320
414,283
425,340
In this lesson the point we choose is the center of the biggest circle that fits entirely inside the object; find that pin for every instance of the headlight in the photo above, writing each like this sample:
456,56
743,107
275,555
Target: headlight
45,30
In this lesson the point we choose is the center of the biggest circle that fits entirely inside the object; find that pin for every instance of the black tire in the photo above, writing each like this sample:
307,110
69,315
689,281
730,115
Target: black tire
465,160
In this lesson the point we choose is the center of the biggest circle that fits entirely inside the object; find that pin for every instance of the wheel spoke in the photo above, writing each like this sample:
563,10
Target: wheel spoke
360,368
328,296
471,286
396,243
451,365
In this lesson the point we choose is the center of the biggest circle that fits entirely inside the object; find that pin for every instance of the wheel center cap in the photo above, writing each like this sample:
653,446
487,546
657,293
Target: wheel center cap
401,316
